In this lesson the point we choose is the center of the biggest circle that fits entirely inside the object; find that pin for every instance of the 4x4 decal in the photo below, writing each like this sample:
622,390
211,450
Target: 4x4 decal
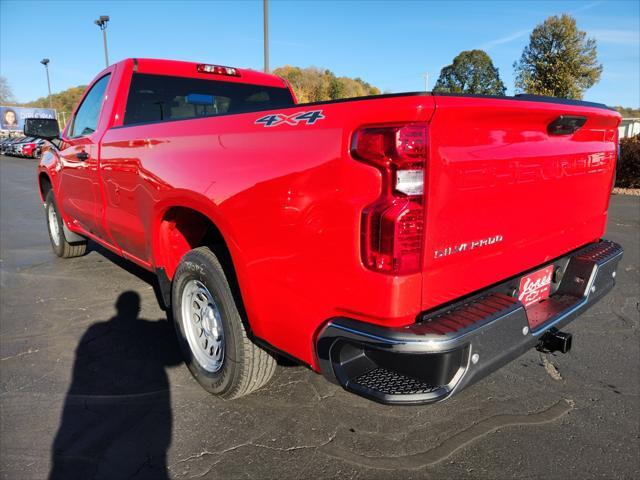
275,119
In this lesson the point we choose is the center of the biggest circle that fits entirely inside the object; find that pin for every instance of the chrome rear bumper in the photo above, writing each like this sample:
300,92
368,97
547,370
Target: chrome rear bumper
449,349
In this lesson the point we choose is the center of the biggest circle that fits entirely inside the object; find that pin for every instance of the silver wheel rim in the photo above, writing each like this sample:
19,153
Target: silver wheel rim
54,228
203,325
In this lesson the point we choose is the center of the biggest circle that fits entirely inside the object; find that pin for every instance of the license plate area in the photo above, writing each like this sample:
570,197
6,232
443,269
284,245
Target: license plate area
535,287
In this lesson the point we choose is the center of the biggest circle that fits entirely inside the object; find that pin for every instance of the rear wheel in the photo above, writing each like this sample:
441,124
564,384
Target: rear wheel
59,243
211,333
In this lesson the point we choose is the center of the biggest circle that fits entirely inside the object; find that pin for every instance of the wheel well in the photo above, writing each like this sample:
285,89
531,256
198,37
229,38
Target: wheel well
183,229
45,185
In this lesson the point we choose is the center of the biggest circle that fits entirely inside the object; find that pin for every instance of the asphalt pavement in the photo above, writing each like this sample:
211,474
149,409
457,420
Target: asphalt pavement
89,364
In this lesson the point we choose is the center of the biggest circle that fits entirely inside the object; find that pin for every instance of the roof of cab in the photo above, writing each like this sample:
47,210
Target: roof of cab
188,69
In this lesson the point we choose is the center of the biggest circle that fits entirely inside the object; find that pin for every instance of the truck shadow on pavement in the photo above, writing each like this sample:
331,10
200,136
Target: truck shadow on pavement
116,421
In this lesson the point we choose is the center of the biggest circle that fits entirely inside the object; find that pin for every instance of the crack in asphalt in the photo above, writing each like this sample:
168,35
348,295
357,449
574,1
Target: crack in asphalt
453,444
21,354
26,385
251,443
550,367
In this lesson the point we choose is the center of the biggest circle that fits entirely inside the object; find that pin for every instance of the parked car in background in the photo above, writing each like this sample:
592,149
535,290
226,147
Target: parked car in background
8,143
3,142
30,148
16,148
11,147
40,145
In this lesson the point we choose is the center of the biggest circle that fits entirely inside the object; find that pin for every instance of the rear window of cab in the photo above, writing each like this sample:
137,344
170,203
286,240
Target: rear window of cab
161,98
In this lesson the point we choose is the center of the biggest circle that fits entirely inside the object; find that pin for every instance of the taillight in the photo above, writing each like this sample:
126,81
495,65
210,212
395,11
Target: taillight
393,226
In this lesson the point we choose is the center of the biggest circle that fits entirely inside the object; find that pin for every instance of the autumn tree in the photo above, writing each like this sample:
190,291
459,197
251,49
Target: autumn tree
560,61
313,84
472,71
64,101
628,111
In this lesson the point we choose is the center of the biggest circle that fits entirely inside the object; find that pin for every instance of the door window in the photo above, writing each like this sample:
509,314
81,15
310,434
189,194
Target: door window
86,120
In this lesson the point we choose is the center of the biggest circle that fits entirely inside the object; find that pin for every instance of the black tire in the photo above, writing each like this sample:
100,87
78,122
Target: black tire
59,243
245,366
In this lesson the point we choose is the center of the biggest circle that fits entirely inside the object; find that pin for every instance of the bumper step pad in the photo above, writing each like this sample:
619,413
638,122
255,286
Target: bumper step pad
466,315
393,383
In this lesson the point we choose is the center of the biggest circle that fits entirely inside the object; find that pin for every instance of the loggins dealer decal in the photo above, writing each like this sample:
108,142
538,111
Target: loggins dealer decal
275,119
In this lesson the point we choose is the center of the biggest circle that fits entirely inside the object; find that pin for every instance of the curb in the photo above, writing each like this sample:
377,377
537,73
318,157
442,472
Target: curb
627,191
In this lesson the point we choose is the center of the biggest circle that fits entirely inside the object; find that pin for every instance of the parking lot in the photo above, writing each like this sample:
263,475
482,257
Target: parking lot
79,365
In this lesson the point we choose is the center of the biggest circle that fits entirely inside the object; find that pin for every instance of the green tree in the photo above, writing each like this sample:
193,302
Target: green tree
313,84
6,94
560,61
472,71
336,88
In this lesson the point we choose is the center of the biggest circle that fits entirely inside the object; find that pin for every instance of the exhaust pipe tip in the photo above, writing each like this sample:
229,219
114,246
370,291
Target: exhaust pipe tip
555,341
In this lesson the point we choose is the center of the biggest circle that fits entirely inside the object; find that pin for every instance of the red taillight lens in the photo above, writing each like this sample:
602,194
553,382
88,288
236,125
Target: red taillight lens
393,226
373,145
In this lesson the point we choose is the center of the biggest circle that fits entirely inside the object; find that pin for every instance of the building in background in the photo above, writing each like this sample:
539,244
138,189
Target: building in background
629,127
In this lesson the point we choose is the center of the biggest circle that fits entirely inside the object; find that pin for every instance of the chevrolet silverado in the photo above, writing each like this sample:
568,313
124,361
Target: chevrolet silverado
403,245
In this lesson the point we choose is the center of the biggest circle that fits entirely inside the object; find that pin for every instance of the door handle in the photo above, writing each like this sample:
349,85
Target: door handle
82,156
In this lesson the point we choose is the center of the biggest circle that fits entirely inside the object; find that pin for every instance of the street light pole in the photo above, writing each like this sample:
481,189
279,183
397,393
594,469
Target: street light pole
45,62
426,81
102,23
266,35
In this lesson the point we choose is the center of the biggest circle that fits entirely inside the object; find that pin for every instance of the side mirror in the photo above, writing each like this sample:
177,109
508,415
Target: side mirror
46,128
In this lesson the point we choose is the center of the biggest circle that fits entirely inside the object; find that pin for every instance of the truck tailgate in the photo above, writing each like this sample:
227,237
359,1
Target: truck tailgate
504,195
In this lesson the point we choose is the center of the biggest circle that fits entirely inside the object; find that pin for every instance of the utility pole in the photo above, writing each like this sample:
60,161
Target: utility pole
266,34
426,81
102,23
45,62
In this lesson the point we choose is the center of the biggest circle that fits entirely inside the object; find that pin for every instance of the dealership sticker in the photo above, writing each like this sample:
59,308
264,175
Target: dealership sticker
535,286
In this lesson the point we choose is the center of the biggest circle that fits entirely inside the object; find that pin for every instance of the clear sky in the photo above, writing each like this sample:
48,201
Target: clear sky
390,44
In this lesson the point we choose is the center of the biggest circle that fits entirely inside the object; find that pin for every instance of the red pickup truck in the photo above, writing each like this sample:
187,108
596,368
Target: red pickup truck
403,245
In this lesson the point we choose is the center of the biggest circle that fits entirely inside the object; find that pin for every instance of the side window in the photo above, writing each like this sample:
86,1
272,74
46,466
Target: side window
161,98
86,120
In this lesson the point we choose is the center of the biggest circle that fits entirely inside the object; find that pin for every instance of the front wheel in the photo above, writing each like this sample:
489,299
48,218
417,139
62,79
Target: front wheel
212,336
59,243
